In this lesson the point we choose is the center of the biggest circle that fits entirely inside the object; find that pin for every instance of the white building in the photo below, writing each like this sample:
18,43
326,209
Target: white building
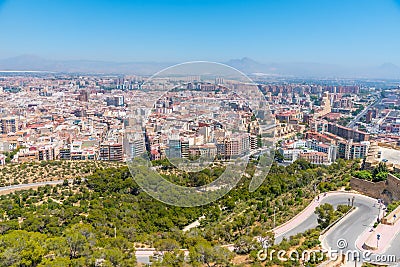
2,160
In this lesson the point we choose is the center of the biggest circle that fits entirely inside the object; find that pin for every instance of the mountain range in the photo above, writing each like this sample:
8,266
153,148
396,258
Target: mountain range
246,65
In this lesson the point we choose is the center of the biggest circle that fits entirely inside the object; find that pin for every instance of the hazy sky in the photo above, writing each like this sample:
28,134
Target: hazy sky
347,32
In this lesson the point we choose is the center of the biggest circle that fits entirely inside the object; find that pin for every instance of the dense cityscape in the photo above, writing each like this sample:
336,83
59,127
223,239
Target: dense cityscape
83,118
88,118
178,133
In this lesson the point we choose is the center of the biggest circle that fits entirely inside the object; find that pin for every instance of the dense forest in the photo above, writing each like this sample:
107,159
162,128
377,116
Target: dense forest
100,220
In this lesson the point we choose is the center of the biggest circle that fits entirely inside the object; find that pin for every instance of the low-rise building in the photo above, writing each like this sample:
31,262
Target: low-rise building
2,160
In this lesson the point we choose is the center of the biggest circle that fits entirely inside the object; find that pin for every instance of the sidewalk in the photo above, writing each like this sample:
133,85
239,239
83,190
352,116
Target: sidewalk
368,241
300,217
307,212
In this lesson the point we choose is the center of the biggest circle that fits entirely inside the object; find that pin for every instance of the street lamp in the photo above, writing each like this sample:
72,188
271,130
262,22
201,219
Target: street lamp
355,260
379,213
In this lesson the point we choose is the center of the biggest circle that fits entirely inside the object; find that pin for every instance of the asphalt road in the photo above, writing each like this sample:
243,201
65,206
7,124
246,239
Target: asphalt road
357,222
362,113
349,228
31,185
365,214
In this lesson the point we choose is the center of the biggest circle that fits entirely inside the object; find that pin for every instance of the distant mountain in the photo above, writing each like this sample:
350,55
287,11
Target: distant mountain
246,65
318,70
388,70
249,66
33,63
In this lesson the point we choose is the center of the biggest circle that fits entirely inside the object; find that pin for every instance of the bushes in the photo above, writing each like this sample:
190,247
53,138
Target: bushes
109,202
379,173
364,175
392,206
327,214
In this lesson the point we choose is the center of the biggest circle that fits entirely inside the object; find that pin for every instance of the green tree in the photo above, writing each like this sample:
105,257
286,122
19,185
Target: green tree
246,244
22,248
80,238
166,245
174,258
326,214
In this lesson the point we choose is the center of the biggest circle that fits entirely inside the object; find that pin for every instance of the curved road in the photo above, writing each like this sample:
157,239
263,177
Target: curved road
350,228
365,214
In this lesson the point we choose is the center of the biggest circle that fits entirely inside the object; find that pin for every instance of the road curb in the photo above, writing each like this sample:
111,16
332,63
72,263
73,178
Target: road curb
306,208
329,227
333,225
321,197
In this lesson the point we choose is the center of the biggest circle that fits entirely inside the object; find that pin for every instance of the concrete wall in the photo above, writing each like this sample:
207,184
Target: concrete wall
387,190
393,186
391,219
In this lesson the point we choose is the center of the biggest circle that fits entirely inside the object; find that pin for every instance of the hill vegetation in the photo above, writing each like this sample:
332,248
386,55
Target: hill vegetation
102,219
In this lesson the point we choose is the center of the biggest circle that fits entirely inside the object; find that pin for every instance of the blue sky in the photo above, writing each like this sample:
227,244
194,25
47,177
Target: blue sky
346,32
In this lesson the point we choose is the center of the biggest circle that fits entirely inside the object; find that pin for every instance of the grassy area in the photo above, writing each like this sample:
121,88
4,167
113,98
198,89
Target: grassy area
392,206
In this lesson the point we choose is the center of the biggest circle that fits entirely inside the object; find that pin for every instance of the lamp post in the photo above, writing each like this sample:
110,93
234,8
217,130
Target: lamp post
355,260
379,213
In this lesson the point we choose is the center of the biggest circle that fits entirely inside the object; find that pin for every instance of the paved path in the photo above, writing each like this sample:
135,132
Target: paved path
388,233
307,219
194,224
298,219
11,188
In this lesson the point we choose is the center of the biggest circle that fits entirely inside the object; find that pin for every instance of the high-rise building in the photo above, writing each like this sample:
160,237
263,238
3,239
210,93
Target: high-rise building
8,125
353,150
65,153
136,147
347,133
236,145
117,101
371,114
185,149
174,149
111,152
83,96
46,153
